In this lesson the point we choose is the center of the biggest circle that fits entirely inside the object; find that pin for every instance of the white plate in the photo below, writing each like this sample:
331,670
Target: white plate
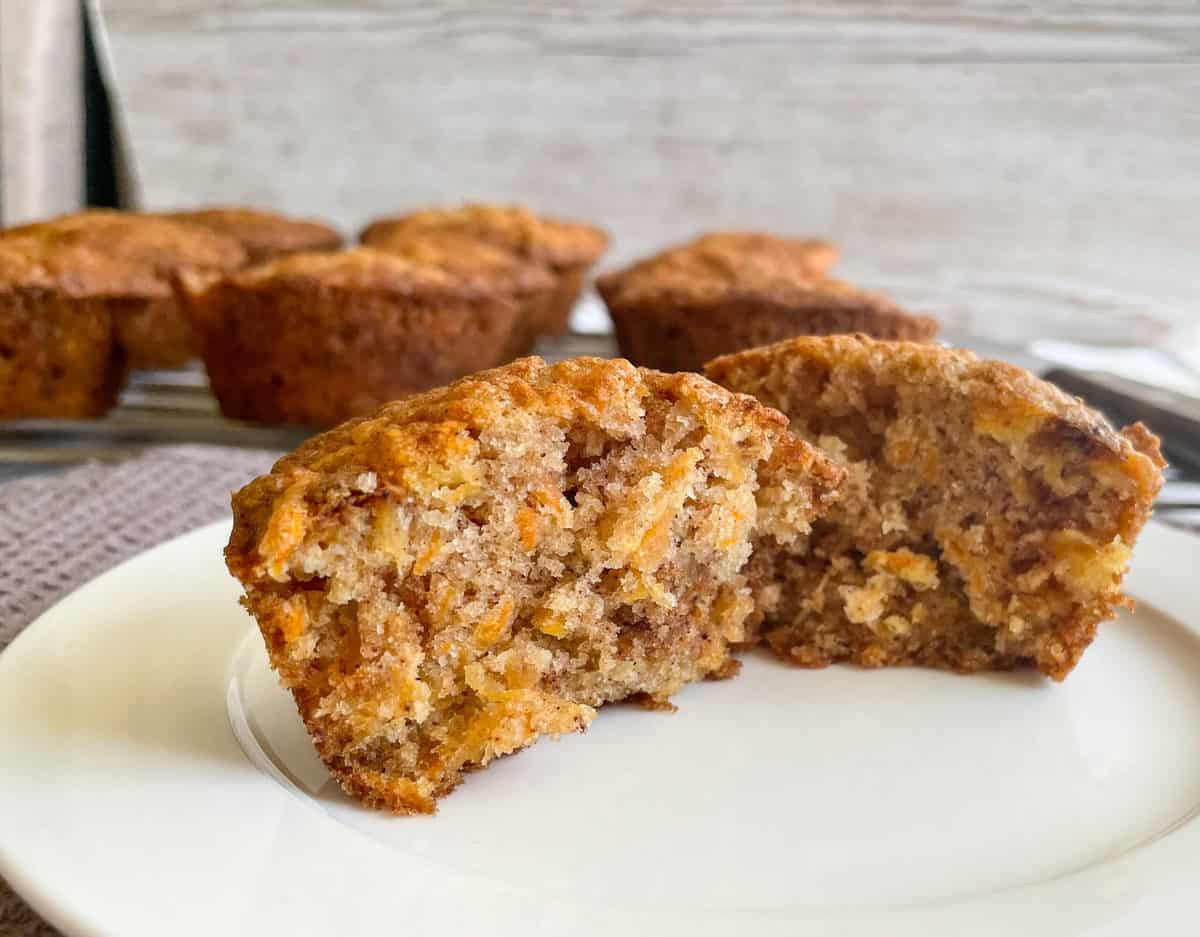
154,779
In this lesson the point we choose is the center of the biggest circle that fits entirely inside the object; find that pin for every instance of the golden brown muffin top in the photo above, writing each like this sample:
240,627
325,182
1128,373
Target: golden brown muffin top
1010,404
27,262
466,257
359,268
412,445
547,241
717,265
156,247
263,234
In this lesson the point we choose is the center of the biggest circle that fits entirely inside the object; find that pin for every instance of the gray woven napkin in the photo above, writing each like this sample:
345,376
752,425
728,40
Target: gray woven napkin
59,531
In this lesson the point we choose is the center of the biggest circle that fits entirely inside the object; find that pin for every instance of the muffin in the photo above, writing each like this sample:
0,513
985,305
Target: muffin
150,326
318,338
533,288
566,249
59,356
473,568
986,520
264,235
728,291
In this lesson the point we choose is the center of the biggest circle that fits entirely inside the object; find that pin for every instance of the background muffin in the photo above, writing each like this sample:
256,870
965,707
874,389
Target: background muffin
59,355
532,287
566,249
732,257
263,235
727,291
318,338
150,324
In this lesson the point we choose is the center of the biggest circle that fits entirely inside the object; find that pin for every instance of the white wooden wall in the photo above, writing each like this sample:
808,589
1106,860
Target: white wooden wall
1014,167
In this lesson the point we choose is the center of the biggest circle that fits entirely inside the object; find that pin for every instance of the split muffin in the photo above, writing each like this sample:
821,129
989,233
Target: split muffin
727,291
987,517
476,567
263,235
531,286
59,354
151,327
566,249
318,338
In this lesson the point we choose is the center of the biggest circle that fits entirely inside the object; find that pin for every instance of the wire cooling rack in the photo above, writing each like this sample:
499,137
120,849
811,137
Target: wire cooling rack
172,407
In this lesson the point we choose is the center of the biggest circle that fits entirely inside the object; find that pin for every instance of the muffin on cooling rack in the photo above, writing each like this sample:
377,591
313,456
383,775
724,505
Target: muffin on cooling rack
986,520
150,325
732,290
564,248
476,567
59,356
532,287
263,235
318,338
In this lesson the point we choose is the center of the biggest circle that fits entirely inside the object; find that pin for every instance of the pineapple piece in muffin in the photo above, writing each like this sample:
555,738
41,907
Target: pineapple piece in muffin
986,520
470,569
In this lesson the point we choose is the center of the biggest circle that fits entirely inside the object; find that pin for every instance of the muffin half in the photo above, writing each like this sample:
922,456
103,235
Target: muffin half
150,325
987,517
473,568
727,291
566,249
264,235
318,338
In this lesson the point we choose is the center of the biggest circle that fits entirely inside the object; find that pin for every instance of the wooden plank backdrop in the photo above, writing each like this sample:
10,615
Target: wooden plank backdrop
1016,168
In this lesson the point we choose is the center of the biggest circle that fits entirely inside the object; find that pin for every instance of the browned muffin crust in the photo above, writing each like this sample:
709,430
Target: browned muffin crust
681,335
728,291
58,351
157,245
28,261
318,338
720,263
557,244
150,326
489,267
263,234
467,258
356,268
470,569
986,520
567,249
